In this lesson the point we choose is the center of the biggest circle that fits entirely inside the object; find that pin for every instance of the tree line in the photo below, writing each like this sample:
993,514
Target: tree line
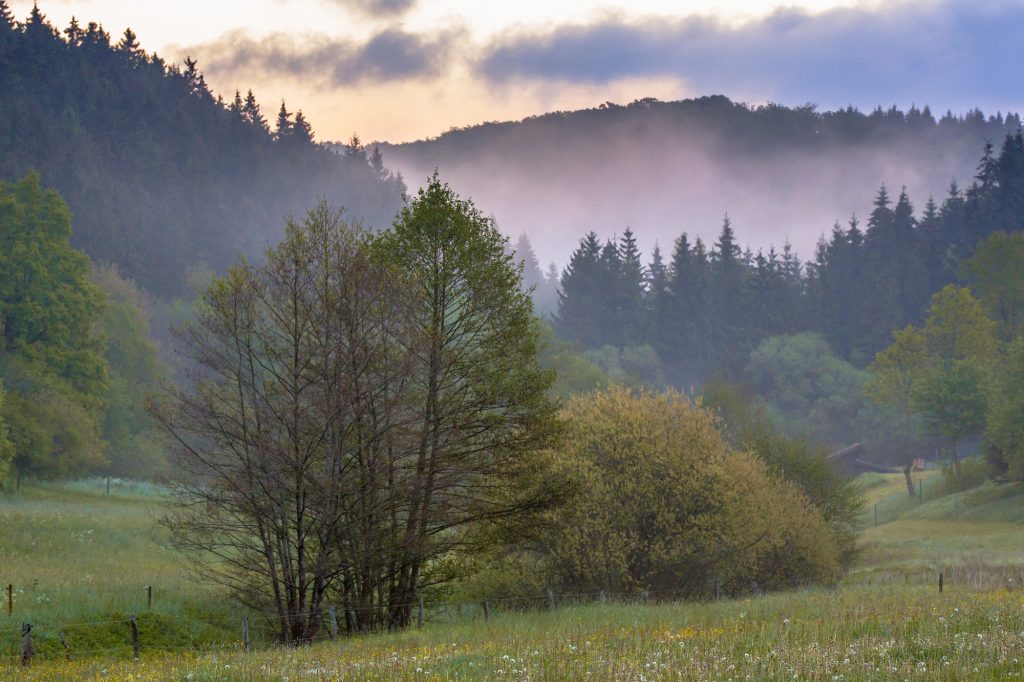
704,308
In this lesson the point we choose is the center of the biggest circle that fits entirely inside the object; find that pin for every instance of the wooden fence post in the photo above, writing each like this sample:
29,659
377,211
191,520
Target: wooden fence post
602,597
876,513
108,485
245,632
149,597
333,614
487,611
551,599
940,582
419,618
26,644
135,637
67,649
10,600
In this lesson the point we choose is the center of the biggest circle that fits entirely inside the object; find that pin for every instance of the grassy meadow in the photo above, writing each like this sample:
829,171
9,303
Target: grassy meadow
76,555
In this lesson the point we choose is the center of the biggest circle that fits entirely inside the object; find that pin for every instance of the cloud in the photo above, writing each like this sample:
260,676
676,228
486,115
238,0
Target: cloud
389,55
950,50
378,8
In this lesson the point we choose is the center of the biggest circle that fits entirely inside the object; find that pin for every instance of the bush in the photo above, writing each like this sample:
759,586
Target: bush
973,472
804,464
665,504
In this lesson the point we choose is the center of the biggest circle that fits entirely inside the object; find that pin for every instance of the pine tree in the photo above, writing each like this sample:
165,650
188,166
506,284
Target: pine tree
377,164
532,275
251,112
629,292
283,128
130,48
74,33
580,297
302,131
194,79
355,149
657,298
6,17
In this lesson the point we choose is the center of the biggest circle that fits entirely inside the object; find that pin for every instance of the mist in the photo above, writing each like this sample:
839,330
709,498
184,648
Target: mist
667,168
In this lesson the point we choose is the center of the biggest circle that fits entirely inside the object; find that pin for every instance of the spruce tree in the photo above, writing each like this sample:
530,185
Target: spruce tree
580,296
302,131
283,127
630,292
251,112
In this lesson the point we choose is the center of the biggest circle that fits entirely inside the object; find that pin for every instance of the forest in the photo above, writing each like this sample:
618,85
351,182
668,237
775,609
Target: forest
349,396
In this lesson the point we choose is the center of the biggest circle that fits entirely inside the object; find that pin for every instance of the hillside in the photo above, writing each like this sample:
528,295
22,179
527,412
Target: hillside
160,176
667,167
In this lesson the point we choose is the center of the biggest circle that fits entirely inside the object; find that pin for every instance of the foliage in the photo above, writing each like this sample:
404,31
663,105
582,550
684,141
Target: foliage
812,393
958,328
1004,435
630,365
6,447
133,444
574,373
51,359
664,504
745,422
952,402
54,430
973,472
49,307
997,280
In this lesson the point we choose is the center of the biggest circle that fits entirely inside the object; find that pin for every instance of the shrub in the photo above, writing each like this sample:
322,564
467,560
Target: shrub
665,504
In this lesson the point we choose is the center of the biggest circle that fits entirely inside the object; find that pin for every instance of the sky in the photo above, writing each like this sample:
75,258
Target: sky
400,70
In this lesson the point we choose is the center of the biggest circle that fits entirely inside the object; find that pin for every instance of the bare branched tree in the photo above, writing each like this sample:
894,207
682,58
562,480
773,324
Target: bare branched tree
358,412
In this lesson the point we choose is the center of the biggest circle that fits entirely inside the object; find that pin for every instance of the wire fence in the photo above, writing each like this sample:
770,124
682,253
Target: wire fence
155,633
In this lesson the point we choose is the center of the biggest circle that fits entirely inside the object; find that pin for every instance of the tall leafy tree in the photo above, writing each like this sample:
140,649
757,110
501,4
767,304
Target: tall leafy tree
483,413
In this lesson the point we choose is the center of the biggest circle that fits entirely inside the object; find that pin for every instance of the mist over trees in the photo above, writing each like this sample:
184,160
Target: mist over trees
705,308
782,173
159,174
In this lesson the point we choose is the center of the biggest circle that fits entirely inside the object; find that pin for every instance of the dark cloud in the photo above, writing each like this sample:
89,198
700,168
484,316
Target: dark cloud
950,51
389,55
378,8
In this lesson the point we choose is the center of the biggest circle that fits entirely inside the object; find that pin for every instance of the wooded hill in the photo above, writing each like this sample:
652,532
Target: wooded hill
159,174
664,168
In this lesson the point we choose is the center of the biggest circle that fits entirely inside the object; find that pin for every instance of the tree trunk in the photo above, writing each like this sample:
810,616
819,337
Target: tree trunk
910,481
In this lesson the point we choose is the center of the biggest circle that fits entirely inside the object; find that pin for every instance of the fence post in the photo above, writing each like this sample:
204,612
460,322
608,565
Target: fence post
551,599
67,649
149,597
602,596
876,513
940,582
487,611
26,644
135,637
920,490
419,617
108,485
718,588
10,600
334,621
245,632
